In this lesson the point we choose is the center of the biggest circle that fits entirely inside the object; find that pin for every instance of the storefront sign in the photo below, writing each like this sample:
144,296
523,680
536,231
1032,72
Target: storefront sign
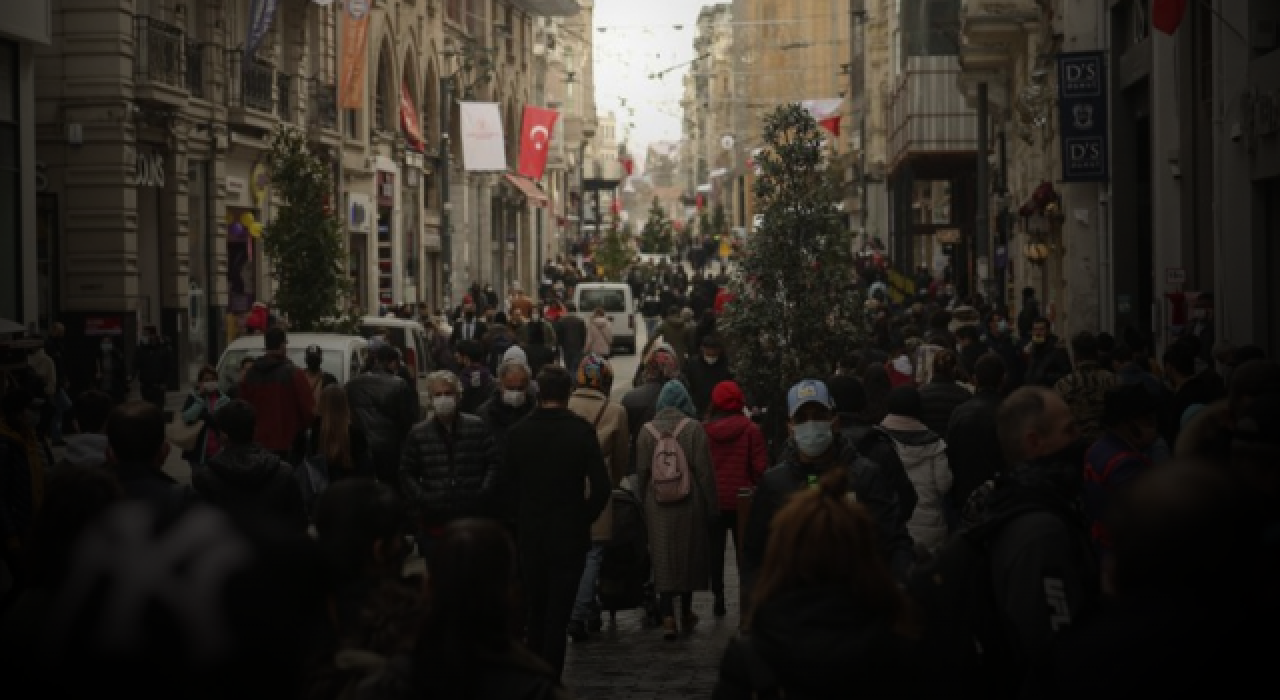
1082,102
483,148
103,325
236,187
148,170
948,235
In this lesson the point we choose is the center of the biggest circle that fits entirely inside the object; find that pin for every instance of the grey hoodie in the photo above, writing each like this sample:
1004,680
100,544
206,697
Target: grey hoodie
86,450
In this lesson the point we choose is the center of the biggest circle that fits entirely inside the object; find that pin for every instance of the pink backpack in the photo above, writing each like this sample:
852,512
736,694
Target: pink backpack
670,469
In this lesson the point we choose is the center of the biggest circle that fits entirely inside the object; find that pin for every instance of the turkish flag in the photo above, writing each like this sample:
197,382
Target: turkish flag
535,140
628,165
616,207
831,124
1166,15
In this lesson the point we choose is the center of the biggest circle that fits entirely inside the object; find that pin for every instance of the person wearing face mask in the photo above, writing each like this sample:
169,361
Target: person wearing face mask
110,374
385,407
24,457
704,370
510,401
469,327
449,465
1047,361
202,404
816,445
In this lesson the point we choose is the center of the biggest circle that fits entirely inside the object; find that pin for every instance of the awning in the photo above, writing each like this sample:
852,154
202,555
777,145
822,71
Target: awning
529,189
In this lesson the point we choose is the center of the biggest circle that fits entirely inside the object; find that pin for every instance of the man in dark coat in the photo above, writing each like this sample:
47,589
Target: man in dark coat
469,327
246,480
571,333
1047,360
973,444
152,362
138,449
870,441
705,370
811,451
385,407
550,455
942,394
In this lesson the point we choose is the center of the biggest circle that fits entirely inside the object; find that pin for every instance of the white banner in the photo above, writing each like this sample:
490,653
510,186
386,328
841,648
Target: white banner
483,148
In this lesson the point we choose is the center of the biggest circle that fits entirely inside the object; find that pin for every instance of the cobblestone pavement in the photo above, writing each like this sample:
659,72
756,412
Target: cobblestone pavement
633,662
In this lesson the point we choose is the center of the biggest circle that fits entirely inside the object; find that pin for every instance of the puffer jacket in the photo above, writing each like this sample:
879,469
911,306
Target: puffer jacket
615,444
924,455
385,408
444,478
246,480
739,455
938,400
500,417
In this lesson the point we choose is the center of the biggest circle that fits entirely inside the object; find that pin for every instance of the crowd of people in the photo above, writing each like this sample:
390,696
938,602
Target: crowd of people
967,506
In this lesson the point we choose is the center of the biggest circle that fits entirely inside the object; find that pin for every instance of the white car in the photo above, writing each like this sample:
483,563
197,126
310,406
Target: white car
342,355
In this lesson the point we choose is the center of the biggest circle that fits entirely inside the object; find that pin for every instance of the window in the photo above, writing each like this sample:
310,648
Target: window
475,18
931,205
351,123
611,300
382,95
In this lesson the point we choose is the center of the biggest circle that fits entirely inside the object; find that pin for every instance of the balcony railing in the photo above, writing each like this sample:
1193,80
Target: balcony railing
927,113
284,96
195,68
158,51
322,105
252,82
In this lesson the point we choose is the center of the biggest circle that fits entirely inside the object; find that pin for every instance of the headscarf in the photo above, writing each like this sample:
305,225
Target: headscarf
661,364
674,395
594,372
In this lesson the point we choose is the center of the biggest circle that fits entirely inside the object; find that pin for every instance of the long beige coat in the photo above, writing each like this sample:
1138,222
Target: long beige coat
679,537
614,435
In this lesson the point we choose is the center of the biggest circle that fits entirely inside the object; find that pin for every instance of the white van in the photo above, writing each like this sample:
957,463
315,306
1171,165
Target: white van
615,299
410,336
342,355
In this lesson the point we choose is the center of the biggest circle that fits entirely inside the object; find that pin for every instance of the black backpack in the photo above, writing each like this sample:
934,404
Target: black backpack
965,640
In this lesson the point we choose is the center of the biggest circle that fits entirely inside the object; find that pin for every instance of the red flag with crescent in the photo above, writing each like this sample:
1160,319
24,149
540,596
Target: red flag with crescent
628,165
535,140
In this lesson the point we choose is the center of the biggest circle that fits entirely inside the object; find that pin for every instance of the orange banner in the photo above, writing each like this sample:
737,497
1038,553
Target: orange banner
355,48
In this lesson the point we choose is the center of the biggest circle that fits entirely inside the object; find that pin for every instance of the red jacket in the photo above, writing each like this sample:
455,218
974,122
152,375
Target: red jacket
282,399
738,454
722,297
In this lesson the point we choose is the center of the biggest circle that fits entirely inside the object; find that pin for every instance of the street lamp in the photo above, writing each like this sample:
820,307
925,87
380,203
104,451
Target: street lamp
475,67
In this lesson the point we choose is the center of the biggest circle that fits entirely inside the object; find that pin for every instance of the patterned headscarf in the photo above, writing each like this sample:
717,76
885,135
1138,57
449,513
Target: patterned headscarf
674,395
595,372
661,365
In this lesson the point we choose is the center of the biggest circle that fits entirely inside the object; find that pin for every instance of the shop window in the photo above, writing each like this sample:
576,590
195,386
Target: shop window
931,203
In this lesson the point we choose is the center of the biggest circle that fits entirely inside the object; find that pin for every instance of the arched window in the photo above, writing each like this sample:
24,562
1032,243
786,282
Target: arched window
431,108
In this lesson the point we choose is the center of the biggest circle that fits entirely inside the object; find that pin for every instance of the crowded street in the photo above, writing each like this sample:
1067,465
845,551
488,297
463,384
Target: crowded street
603,350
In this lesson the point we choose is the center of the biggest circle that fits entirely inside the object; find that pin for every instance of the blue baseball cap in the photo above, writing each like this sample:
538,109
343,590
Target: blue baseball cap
807,391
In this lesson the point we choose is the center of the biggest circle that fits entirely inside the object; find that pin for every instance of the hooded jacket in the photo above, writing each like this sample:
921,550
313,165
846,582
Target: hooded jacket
1044,572
867,483
739,455
939,399
246,480
819,643
676,334
924,456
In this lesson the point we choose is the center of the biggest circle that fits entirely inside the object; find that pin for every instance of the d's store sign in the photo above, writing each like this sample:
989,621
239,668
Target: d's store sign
148,170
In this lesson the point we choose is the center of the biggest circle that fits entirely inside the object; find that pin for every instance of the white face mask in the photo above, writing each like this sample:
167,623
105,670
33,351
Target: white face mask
209,387
444,405
514,399
710,359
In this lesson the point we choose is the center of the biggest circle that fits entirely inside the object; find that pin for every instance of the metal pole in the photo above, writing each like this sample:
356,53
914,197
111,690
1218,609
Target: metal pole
982,212
446,208
582,190
1002,280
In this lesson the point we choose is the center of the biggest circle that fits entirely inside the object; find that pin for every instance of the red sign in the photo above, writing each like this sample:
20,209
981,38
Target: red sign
409,119
104,325
535,140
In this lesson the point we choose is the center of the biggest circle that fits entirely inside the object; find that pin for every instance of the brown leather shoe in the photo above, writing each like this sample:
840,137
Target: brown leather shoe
669,631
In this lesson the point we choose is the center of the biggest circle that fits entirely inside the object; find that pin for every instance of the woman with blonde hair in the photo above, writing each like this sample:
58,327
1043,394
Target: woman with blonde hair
334,442
825,610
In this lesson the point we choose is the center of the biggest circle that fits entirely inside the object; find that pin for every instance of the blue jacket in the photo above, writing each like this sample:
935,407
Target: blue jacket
1110,463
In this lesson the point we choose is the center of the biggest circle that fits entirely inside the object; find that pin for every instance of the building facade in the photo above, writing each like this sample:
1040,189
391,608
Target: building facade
152,122
27,293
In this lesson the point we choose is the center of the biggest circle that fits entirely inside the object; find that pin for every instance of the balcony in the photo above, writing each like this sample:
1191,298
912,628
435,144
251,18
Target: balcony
322,106
158,69
284,97
195,77
927,113
986,22
251,83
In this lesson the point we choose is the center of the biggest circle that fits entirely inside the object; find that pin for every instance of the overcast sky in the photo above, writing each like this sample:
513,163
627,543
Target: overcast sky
638,40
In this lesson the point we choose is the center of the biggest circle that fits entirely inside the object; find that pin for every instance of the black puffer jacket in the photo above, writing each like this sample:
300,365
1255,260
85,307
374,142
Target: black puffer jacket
386,408
500,417
819,643
868,484
447,476
875,444
938,399
246,480
973,445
